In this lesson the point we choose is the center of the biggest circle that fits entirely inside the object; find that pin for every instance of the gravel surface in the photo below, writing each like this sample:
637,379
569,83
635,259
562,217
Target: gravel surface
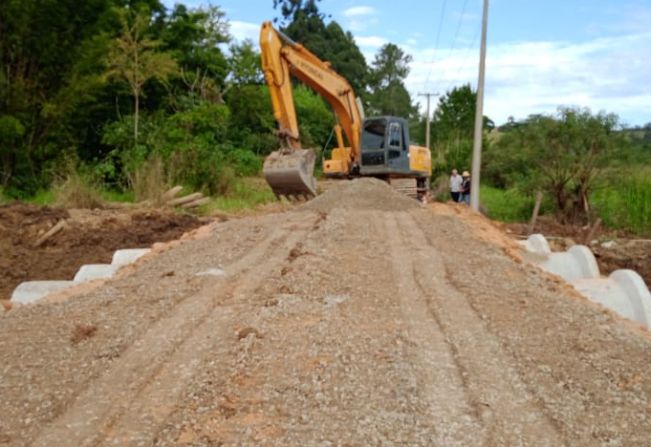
337,327
360,194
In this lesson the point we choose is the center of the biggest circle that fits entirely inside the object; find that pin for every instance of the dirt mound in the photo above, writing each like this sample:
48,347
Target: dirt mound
90,237
361,194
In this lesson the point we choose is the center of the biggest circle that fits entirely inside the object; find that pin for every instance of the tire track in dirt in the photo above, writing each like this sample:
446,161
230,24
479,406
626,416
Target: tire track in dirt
441,377
499,397
127,404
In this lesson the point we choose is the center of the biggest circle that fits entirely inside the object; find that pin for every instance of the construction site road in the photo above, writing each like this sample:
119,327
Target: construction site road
327,325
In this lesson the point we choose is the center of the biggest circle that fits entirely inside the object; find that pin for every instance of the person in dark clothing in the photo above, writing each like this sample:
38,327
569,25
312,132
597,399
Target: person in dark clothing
465,188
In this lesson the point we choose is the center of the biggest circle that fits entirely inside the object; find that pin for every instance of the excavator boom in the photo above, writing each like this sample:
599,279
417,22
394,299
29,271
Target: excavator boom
289,170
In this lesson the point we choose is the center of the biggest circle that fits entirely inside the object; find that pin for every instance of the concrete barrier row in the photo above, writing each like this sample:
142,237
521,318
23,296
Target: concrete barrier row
623,291
31,291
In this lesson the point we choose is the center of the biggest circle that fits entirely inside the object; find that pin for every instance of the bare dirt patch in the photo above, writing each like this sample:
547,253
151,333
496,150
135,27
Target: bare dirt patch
90,236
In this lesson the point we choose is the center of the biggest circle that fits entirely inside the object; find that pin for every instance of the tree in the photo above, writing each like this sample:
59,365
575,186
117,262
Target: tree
389,95
192,37
562,154
452,127
290,10
43,46
244,64
304,23
135,58
391,64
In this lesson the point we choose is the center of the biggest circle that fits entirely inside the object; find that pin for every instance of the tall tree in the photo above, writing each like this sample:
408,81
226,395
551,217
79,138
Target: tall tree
389,95
453,126
135,59
193,37
303,22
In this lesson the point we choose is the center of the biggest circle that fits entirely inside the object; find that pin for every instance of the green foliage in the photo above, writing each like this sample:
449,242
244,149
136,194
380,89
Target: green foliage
510,205
452,130
134,58
245,193
316,118
303,22
244,64
11,132
3,197
626,202
390,96
560,154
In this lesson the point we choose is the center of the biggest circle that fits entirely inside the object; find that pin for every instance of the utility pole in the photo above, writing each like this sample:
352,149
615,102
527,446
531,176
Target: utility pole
429,118
479,116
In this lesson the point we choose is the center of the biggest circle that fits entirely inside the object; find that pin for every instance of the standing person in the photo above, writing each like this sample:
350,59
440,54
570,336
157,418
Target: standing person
455,186
465,188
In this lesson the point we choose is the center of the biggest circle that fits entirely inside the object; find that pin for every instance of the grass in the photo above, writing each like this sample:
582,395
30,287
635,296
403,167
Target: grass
43,197
626,202
109,195
506,205
3,197
246,193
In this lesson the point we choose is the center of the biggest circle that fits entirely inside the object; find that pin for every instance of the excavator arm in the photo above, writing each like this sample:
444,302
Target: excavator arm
287,168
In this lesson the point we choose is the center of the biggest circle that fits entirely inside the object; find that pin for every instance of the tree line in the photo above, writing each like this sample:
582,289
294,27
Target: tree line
111,87
108,85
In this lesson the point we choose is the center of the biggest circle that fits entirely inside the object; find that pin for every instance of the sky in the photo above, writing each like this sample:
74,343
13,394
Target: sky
541,54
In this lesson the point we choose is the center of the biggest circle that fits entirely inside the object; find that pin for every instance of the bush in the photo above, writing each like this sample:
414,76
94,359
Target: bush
148,181
509,205
245,163
3,198
77,191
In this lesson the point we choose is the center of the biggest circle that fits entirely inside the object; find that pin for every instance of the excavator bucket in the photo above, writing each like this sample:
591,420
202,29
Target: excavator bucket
289,173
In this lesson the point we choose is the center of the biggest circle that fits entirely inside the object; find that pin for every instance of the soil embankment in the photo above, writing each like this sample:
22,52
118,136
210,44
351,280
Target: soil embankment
88,237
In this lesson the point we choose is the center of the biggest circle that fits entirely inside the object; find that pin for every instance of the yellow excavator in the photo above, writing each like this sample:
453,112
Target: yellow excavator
377,147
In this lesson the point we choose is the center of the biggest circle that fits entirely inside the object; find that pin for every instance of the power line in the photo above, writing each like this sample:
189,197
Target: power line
436,43
456,34
464,59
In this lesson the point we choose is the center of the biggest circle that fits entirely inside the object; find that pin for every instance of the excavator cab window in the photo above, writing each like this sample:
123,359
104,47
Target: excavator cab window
374,134
395,136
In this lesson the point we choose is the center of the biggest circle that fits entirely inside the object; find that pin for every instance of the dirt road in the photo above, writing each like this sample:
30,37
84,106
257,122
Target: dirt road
327,326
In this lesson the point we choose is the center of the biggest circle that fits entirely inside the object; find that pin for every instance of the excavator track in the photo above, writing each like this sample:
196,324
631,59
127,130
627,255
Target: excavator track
289,173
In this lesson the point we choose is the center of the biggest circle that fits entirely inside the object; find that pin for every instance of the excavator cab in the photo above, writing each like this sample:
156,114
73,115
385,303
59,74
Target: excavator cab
386,149
386,153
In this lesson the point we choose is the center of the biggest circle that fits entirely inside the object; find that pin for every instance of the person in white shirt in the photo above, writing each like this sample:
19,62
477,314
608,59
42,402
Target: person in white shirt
455,185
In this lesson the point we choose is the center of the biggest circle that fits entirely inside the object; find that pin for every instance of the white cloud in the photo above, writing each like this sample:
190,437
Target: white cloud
358,18
244,30
522,78
370,41
357,11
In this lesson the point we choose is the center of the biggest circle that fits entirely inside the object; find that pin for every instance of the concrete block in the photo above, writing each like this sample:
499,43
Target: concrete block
623,292
576,263
536,243
89,272
128,256
31,291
